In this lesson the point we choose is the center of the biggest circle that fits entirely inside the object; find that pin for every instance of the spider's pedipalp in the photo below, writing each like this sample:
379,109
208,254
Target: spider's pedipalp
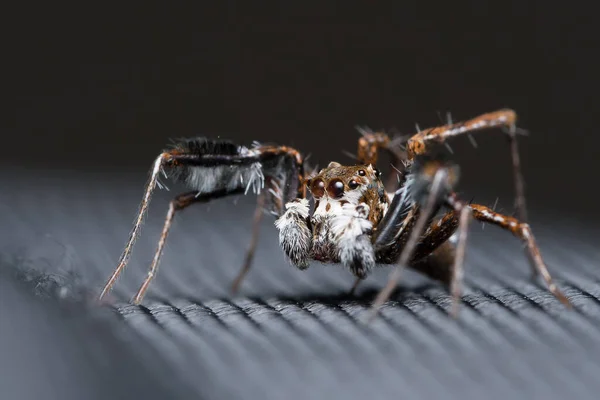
295,236
351,231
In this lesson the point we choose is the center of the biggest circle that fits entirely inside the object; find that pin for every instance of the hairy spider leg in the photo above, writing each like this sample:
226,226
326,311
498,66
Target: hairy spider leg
271,156
419,144
434,255
522,231
456,280
405,256
179,203
437,236
277,198
159,163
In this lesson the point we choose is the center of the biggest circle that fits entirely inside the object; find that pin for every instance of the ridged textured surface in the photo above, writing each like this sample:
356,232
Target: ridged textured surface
293,334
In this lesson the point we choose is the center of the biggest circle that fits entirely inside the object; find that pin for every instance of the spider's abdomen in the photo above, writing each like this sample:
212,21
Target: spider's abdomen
215,165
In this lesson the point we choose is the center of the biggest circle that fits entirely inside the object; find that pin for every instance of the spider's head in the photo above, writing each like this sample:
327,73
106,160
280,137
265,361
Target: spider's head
337,185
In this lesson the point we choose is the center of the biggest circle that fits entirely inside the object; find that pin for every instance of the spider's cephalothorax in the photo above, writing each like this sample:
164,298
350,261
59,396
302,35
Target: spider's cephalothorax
338,185
349,202
354,220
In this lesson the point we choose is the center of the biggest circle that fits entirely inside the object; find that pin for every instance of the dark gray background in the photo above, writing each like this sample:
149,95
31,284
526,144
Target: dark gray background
93,94
103,87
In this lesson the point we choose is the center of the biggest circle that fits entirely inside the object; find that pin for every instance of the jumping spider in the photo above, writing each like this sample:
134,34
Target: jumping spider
355,221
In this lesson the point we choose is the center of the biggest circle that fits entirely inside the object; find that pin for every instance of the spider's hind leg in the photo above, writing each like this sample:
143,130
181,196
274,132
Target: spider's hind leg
179,203
216,168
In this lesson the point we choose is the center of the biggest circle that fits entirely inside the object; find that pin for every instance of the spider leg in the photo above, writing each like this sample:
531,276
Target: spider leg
368,149
438,258
258,214
354,286
161,161
420,143
179,203
523,232
456,279
276,195
437,233
217,166
437,187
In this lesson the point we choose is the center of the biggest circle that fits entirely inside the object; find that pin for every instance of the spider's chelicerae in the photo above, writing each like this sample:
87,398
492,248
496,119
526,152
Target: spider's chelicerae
355,221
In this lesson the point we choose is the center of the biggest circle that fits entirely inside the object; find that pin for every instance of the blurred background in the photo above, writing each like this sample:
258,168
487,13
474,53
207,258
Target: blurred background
93,92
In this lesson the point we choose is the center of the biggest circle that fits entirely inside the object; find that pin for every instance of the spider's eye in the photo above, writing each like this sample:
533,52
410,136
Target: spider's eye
362,172
317,188
352,184
377,172
335,188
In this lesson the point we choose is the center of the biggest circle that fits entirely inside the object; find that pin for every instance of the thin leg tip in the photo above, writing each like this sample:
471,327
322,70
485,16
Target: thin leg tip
352,290
563,299
137,300
235,287
370,315
455,309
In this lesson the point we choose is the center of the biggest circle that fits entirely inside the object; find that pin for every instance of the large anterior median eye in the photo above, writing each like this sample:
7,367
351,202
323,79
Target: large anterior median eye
335,188
317,188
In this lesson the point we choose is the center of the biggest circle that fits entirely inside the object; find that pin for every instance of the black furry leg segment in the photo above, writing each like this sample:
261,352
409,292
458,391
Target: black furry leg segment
438,181
179,203
258,214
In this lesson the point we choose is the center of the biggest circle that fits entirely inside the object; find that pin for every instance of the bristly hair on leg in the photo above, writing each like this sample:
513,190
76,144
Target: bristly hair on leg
210,167
135,231
433,181
218,175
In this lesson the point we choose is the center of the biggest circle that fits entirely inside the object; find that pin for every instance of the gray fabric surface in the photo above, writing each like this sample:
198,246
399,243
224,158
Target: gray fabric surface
288,334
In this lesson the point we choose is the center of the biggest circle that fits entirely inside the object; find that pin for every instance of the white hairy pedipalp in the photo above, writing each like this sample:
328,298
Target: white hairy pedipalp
295,237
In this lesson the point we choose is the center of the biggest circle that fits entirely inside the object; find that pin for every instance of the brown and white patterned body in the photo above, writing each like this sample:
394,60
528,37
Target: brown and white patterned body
350,201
